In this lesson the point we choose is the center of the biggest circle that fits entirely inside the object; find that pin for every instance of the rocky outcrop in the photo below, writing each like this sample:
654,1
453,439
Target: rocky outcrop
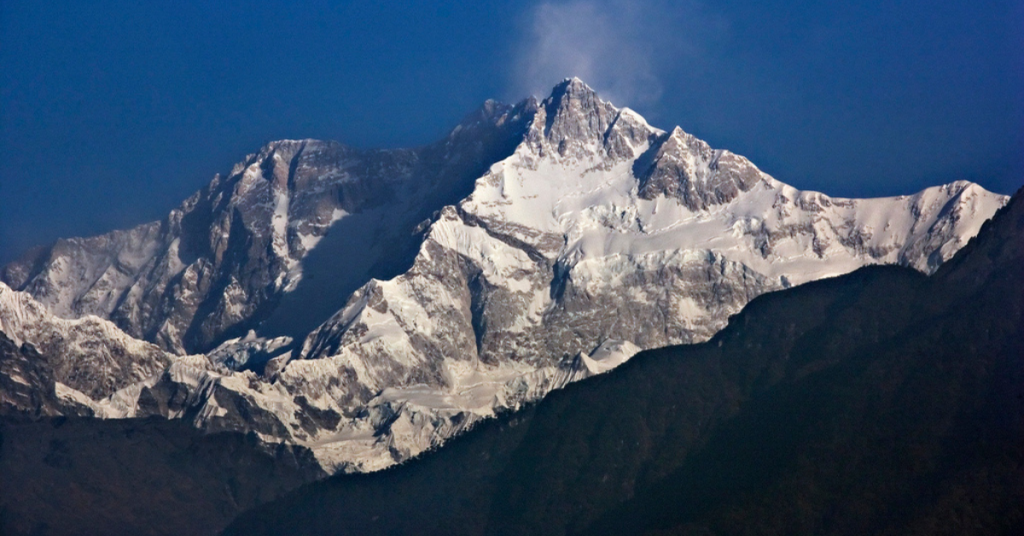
683,167
89,357
27,386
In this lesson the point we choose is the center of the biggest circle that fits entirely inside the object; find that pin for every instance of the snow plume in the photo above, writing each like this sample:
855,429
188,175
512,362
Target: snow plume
620,48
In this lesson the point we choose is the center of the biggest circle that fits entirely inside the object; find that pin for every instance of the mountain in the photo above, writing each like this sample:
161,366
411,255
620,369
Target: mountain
81,361
75,474
878,402
222,261
371,304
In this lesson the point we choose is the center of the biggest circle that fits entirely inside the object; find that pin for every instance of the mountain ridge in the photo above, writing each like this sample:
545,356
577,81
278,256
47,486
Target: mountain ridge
371,304
880,401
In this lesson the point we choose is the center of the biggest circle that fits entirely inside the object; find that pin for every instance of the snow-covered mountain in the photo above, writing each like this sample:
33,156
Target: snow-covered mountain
69,363
223,261
536,245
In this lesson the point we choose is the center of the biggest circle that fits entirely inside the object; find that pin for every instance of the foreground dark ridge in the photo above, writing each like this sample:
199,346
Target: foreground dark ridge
882,402
69,475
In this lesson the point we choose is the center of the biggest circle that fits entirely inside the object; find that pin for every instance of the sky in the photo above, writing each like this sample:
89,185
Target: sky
112,113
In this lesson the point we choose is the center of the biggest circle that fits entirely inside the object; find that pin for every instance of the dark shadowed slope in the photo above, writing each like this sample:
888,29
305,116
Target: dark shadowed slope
878,402
69,475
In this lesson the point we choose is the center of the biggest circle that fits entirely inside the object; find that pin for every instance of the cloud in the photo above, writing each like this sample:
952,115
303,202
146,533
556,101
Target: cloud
624,50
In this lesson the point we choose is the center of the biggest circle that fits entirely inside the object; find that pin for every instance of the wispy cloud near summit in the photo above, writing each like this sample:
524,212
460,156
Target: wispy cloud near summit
622,49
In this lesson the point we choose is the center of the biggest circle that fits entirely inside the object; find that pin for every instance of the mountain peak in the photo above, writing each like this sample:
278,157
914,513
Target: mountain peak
572,85
489,111
575,121
574,93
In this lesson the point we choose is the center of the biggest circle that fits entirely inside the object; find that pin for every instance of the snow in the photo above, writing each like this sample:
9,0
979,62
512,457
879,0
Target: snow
589,218
310,241
410,342
609,355
64,392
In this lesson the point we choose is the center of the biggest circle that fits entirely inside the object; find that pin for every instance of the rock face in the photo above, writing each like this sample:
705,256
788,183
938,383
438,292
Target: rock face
88,358
534,246
221,262
26,381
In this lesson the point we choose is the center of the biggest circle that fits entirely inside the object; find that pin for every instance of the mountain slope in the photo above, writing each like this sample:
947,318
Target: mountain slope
221,262
877,402
598,229
88,358
69,475
372,304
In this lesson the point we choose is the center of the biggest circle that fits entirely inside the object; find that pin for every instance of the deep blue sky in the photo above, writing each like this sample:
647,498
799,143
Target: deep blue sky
112,113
